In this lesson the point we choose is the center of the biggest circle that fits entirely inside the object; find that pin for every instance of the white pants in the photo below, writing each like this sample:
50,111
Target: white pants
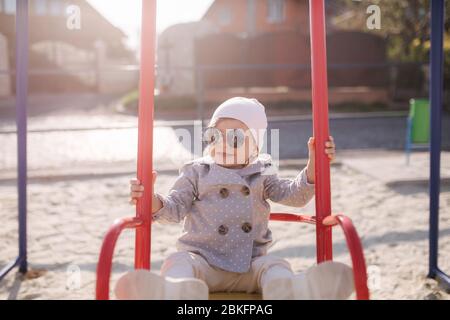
184,264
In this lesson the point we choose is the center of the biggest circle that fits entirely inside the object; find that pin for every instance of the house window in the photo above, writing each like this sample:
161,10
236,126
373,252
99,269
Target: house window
225,16
40,7
10,6
275,11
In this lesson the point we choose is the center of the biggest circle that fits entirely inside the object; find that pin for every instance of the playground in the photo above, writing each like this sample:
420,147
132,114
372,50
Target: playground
390,218
69,232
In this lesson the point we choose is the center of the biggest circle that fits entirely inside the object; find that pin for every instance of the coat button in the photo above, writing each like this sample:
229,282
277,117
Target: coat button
224,192
246,227
245,191
223,230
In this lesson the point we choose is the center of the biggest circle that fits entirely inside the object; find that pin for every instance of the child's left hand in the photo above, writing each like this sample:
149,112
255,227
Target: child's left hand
330,150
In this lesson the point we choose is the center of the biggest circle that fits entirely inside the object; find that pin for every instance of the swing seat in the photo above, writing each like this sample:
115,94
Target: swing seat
234,296
354,245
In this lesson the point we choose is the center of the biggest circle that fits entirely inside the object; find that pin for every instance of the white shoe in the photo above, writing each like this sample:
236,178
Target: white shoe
147,285
326,281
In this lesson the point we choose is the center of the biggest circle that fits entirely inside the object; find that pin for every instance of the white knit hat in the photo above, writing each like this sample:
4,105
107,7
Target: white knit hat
249,111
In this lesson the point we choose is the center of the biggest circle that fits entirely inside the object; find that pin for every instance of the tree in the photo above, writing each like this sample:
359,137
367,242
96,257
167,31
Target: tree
404,23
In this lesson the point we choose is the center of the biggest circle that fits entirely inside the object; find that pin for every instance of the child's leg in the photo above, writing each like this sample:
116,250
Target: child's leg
263,269
180,264
273,275
328,280
176,282
188,264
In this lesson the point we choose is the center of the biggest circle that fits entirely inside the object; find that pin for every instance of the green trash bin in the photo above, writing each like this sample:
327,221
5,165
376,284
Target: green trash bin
419,114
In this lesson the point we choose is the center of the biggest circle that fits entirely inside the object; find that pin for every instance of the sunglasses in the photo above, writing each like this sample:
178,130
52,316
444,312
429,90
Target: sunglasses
234,137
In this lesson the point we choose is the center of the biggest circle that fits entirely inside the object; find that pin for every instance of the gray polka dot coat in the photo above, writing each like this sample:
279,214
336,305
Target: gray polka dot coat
226,211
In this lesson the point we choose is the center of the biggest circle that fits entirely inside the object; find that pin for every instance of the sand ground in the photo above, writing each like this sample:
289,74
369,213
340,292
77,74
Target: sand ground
68,216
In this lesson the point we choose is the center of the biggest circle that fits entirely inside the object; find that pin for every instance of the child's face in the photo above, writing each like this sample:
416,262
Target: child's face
234,145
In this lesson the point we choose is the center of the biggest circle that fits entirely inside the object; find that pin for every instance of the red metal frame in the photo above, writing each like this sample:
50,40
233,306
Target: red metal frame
353,243
356,253
323,220
145,132
320,126
106,254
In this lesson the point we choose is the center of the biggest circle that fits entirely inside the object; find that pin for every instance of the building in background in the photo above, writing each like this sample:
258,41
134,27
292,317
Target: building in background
252,17
91,58
176,57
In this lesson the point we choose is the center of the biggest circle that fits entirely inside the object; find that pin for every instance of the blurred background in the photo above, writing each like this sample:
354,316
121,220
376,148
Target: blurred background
210,50
82,117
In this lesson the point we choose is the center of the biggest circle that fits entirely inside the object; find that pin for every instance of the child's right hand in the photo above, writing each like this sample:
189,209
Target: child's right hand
137,189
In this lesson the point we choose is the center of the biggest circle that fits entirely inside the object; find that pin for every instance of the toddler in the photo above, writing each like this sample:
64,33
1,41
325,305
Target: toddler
222,198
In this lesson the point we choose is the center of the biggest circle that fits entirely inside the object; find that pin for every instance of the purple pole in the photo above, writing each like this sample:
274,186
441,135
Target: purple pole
21,118
21,122
436,89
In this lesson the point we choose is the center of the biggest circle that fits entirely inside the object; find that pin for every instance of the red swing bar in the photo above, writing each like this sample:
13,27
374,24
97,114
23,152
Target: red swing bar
145,133
142,221
320,126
